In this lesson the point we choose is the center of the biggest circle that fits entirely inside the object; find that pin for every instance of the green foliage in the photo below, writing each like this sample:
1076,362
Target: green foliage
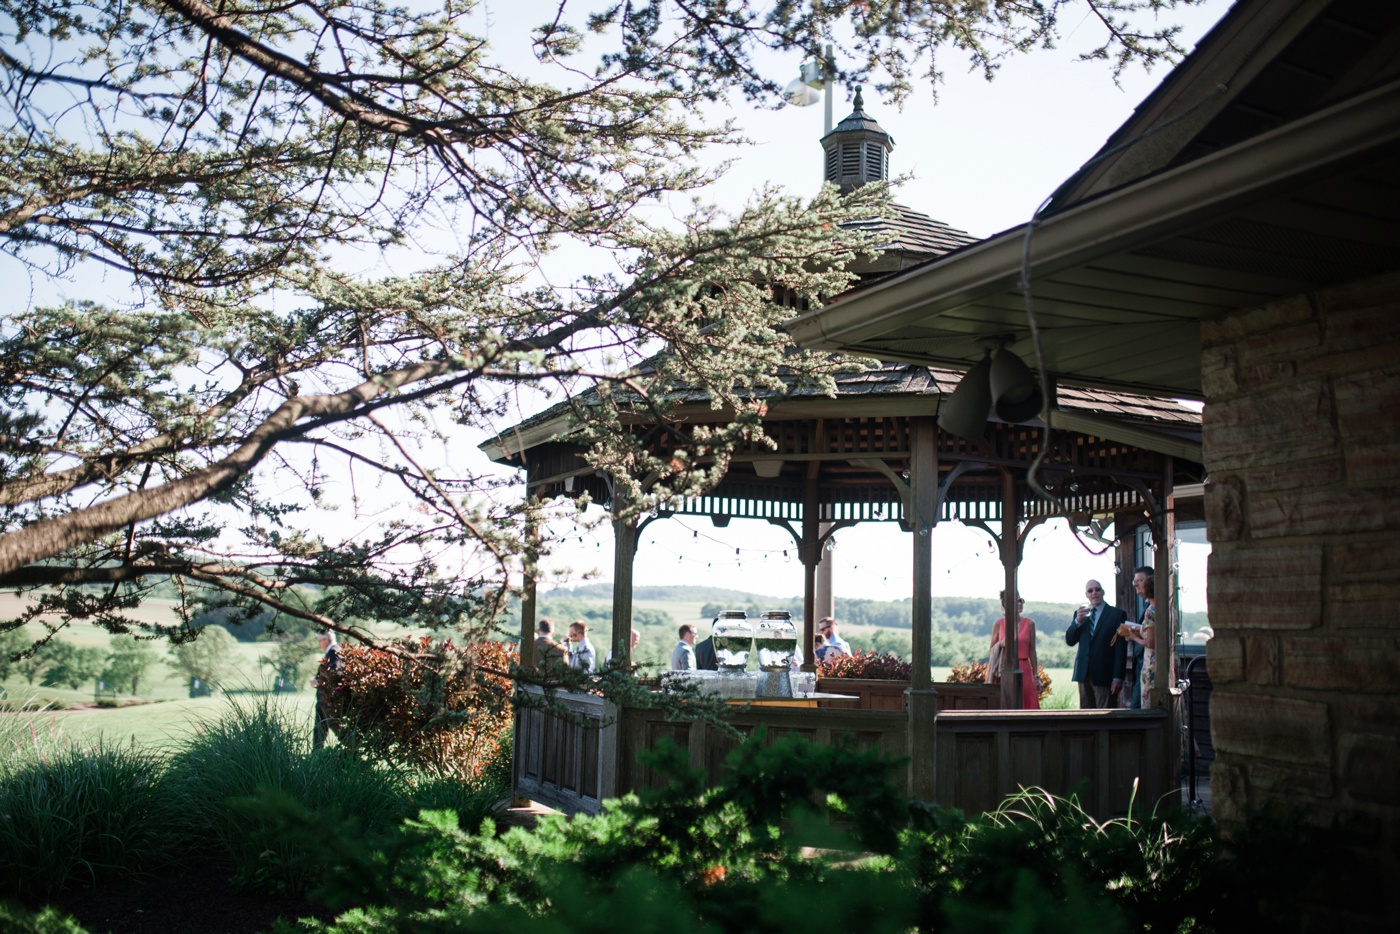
13,644
128,663
795,824
71,666
294,658
257,749
76,817
208,657
427,705
16,919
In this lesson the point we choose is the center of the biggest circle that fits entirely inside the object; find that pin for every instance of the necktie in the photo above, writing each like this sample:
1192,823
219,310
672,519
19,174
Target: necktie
1093,621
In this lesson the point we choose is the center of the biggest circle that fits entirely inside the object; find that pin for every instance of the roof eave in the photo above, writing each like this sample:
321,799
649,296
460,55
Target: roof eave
1139,213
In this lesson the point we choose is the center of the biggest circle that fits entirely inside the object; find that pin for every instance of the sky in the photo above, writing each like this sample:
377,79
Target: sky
982,159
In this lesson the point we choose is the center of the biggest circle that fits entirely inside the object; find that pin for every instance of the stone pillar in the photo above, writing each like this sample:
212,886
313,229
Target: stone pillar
1303,510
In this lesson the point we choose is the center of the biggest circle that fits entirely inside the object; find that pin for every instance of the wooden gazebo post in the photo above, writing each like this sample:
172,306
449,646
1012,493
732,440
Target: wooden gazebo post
1010,543
624,556
1163,539
527,592
923,698
809,550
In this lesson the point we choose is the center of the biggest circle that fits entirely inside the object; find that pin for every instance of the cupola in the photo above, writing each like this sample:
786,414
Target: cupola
857,150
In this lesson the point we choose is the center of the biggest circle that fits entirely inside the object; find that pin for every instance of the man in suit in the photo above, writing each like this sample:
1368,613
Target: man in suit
1098,665
705,657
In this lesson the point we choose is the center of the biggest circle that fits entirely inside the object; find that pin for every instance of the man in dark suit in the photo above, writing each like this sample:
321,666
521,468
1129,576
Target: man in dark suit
705,657
1098,665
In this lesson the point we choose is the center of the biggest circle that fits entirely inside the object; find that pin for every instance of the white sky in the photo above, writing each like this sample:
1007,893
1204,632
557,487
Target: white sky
983,158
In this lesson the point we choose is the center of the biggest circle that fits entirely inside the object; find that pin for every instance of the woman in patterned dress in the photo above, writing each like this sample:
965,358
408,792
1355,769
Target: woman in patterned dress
1146,636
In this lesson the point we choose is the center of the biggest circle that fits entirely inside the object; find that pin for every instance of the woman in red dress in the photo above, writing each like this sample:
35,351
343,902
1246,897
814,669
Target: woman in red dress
1025,652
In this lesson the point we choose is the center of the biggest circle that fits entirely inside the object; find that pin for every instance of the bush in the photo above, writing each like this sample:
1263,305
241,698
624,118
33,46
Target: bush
976,673
431,705
799,824
258,750
866,665
80,817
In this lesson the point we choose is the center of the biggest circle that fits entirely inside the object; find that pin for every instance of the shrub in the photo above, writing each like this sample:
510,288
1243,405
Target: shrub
80,817
257,749
432,706
866,665
799,824
976,673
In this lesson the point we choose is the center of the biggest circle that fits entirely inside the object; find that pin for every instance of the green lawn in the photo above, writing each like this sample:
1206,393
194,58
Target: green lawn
152,725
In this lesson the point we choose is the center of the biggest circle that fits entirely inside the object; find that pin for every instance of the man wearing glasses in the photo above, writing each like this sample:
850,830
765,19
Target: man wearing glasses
1098,666
835,645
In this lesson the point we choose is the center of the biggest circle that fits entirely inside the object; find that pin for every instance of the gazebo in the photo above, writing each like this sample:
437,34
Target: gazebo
874,452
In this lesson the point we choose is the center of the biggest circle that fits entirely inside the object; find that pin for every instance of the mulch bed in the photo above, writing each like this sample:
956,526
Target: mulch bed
191,901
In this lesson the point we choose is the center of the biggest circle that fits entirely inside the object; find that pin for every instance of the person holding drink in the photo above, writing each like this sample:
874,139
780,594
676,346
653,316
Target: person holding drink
1098,664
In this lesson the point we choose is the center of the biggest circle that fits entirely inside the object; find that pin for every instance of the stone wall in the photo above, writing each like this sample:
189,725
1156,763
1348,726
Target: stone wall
1302,445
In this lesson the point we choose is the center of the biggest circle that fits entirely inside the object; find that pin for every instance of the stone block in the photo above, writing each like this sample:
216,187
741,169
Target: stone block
1273,779
1225,659
1360,325
1380,290
1249,323
1365,713
1361,604
1277,587
1264,726
1316,472
1279,347
1376,355
1370,767
1224,509
1229,791
1218,372
1368,403
1277,426
1261,664
1333,511
1371,464
1357,663
1375,556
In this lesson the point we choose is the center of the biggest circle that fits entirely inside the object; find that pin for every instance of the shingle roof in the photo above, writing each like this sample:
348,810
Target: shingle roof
913,232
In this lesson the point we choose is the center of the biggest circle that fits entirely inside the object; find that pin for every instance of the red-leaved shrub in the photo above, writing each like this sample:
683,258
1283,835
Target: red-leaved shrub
885,667
976,673
434,706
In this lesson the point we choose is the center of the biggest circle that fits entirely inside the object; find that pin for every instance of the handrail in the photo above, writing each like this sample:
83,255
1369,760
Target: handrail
1189,728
